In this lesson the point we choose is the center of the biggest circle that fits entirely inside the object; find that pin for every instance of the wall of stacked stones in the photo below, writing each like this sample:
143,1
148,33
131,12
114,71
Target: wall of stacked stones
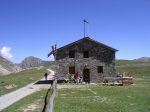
99,55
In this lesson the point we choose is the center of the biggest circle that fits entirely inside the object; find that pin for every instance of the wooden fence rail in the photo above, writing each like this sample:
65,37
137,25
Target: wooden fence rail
50,105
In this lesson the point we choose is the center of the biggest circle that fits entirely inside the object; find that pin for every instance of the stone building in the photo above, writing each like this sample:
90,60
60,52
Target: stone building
92,59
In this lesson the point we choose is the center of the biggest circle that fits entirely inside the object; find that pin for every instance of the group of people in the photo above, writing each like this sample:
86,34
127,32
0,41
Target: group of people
75,77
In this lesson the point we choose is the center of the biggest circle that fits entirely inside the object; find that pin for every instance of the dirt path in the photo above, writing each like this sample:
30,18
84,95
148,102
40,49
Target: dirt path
10,98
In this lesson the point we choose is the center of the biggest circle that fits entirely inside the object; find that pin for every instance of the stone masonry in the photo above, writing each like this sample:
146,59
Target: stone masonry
99,55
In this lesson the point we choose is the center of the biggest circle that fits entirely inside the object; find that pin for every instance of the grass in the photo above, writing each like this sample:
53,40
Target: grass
32,103
131,63
105,99
136,69
14,81
133,98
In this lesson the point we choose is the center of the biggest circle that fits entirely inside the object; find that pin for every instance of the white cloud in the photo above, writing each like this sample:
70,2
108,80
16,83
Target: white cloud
5,52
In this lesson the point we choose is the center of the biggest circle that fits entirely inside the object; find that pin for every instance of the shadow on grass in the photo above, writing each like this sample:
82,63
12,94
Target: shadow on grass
46,100
44,82
49,82
48,91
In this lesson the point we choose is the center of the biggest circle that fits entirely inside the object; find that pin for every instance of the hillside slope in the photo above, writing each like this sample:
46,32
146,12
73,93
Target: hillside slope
7,67
144,59
136,68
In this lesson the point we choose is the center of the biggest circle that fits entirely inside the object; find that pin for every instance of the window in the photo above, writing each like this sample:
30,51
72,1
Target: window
86,54
72,70
71,54
100,69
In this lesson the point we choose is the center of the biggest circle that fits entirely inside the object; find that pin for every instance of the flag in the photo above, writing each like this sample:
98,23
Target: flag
85,21
50,54
53,51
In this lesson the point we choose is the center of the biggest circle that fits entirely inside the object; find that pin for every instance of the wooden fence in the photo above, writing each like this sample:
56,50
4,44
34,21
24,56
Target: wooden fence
50,105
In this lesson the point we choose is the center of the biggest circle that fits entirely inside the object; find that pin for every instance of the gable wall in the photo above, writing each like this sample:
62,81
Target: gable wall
98,56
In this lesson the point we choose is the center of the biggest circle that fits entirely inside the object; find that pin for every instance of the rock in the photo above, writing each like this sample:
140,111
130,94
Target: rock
7,67
31,61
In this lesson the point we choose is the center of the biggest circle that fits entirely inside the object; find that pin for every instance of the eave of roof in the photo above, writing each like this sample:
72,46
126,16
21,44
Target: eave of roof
88,38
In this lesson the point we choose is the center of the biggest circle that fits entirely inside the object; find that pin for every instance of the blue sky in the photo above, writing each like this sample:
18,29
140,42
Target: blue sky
30,27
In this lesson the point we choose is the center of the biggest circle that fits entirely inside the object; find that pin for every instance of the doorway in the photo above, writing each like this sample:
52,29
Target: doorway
86,75
71,70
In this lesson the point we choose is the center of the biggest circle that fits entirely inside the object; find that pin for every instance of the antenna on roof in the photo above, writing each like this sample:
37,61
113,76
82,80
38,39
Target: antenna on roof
84,26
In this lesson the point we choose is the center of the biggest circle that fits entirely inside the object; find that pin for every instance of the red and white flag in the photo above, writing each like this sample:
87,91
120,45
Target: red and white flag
53,51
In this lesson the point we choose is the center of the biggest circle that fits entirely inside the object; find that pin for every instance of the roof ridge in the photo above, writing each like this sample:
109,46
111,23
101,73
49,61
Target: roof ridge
90,40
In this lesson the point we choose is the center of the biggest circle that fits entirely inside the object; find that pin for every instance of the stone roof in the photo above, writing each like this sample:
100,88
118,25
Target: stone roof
92,40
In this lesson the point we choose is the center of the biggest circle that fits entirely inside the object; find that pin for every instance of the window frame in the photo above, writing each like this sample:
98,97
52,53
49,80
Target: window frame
85,54
100,69
71,54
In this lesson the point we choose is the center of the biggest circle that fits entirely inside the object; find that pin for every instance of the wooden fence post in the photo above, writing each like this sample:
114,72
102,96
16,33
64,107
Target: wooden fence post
50,105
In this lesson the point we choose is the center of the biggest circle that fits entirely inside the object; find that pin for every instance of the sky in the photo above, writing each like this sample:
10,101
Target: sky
30,27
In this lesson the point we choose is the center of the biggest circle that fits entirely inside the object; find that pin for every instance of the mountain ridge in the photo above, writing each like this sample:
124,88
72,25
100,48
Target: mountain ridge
8,67
32,61
143,59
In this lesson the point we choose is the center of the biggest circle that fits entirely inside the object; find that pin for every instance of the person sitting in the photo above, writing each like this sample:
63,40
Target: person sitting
81,79
77,76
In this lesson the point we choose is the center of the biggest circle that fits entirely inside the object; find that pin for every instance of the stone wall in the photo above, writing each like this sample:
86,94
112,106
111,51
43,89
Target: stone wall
99,55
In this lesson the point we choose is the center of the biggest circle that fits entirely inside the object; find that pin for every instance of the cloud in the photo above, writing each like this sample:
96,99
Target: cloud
5,52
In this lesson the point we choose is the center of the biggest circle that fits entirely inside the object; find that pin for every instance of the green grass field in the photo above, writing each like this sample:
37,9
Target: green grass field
32,103
136,69
14,81
93,98
132,98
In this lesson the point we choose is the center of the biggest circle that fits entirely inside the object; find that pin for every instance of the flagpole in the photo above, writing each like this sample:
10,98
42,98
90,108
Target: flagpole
84,28
55,57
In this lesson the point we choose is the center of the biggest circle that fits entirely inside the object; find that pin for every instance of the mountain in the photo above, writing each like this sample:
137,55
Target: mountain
7,67
31,61
143,59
